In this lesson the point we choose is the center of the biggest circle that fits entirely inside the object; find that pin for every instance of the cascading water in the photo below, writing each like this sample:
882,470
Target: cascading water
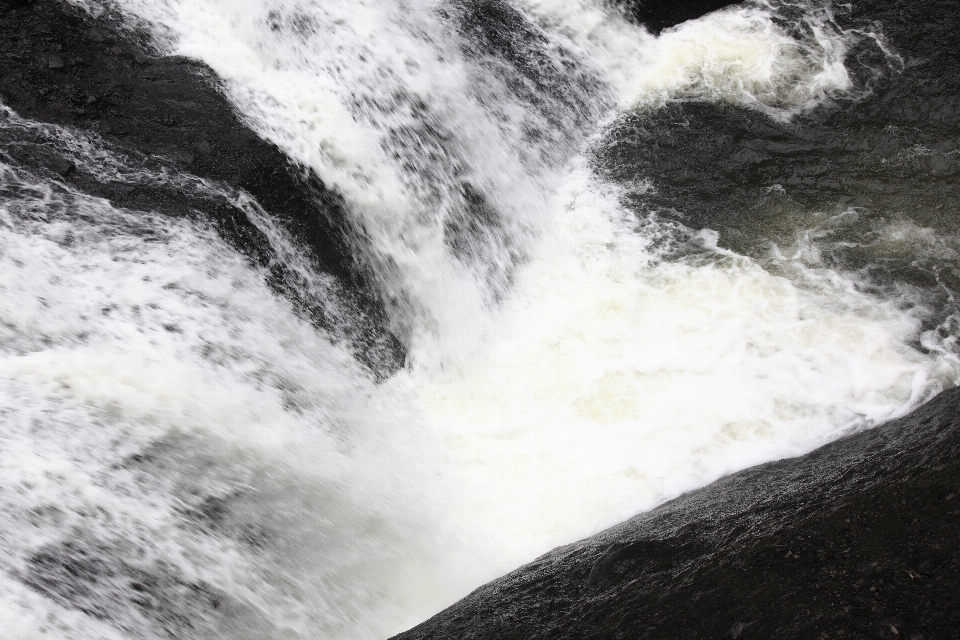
176,434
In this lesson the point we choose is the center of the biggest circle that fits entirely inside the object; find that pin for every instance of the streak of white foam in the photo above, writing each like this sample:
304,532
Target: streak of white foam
607,381
744,58
26,615
739,55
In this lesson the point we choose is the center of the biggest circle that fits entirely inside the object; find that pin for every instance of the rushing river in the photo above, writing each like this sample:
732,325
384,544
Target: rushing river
620,265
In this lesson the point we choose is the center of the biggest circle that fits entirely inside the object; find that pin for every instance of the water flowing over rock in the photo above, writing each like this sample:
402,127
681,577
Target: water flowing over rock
62,66
318,314
853,541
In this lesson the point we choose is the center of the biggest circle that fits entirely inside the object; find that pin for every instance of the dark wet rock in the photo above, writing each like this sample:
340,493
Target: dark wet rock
885,157
658,15
52,62
849,541
63,67
6,5
64,167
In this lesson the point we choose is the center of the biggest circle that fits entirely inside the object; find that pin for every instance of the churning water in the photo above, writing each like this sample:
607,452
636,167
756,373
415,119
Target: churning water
183,455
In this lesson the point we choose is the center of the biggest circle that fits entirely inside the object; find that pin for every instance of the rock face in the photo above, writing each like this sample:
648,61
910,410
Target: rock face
893,151
858,539
63,67
657,16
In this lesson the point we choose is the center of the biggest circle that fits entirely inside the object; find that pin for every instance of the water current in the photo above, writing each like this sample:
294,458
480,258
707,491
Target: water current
621,265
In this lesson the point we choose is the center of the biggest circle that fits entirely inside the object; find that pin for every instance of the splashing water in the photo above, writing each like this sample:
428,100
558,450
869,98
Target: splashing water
179,436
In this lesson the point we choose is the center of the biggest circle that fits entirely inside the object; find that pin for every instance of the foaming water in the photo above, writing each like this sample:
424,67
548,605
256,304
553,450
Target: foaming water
446,152
619,379
427,148
745,56
181,452
570,362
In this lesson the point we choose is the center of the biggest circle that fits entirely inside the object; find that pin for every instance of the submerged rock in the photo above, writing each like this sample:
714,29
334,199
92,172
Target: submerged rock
853,540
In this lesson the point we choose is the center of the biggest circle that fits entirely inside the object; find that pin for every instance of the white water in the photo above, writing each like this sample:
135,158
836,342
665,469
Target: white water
171,415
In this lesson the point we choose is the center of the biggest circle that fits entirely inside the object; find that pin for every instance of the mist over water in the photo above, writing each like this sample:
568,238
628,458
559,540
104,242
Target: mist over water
185,455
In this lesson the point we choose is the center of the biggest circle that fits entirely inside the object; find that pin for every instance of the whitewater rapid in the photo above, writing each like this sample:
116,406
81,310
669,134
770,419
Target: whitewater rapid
571,362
